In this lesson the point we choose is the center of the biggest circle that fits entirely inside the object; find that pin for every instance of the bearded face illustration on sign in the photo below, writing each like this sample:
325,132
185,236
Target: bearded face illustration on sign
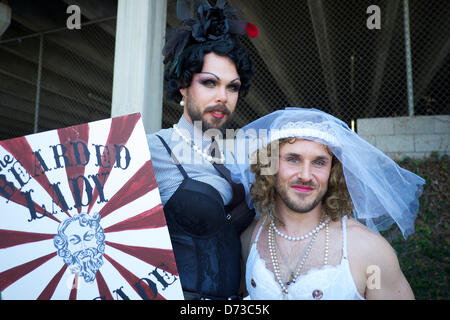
81,243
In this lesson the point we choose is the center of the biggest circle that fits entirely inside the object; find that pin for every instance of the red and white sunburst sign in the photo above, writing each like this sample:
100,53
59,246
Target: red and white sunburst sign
81,216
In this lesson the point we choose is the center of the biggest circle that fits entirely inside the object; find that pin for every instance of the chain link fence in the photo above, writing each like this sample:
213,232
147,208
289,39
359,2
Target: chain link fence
430,42
55,78
322,54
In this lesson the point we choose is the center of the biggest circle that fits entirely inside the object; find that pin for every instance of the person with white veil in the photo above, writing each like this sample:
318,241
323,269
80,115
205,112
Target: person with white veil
323,193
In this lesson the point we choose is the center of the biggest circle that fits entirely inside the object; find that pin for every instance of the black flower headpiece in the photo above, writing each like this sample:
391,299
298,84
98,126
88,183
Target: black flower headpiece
218,23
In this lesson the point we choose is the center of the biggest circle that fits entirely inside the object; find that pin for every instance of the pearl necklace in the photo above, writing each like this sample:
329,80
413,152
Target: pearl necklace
276,266
309,234
199,150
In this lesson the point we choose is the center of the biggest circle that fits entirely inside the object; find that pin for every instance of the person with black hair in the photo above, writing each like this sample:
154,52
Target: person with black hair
207,71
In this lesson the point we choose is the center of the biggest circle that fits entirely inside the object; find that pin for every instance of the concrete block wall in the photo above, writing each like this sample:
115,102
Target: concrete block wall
415,137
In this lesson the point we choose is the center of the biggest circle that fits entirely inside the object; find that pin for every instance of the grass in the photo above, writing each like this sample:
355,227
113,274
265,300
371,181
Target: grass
424,256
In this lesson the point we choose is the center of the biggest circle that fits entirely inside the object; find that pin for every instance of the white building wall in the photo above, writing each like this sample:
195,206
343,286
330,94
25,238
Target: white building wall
415,137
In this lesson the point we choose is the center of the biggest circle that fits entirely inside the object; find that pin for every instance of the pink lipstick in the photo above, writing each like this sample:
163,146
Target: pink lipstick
217,114
302,188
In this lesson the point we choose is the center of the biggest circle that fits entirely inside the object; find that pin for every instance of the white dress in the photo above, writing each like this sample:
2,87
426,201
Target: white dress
327,282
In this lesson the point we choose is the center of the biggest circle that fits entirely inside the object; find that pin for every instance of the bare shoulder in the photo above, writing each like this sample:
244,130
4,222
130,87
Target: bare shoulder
357,230
368,245
375,264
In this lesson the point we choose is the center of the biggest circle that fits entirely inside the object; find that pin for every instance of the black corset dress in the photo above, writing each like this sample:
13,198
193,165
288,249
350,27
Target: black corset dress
205,235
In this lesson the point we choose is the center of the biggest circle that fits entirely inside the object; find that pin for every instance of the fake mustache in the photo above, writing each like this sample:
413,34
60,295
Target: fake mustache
218,107
304,184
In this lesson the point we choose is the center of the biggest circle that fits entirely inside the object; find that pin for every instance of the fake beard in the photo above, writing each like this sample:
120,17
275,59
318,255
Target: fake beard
87,262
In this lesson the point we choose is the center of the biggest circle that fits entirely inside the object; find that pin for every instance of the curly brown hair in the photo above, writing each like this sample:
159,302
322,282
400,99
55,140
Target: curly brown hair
337,201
